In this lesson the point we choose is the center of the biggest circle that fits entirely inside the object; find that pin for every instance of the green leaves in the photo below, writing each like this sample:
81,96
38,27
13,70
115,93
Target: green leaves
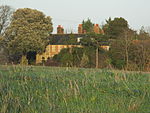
87,26
28,31
115,27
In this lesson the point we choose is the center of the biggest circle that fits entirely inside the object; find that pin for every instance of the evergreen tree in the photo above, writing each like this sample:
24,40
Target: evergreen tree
88,26
114,28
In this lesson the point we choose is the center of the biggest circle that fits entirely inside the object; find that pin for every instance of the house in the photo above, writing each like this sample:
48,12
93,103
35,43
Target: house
57,44
52,50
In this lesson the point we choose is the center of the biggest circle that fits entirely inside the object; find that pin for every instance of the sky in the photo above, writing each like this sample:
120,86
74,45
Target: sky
70,13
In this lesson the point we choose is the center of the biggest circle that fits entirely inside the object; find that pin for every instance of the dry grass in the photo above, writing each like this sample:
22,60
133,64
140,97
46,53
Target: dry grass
72,90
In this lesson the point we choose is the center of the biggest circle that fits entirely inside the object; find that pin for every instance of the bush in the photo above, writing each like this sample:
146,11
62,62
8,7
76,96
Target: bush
81,57
51,62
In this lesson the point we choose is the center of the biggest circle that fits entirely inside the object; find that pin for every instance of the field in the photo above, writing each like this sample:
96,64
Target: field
72,90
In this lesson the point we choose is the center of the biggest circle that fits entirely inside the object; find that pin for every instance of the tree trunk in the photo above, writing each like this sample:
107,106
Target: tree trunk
97,57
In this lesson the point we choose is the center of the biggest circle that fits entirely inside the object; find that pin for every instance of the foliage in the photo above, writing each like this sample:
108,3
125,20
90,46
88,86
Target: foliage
28,32
87,26
119,52
51,62
143,35
140,54
114,28
129,53
3,55
94,40
69,57
72,90
72,40
81,57
84,60
1,41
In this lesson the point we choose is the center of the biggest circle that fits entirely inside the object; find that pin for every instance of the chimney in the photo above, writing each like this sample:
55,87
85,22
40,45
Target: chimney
80,29
96,29
60,29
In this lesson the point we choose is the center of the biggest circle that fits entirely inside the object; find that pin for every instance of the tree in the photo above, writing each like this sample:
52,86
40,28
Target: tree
5,17
84,61
127,51
28,32
69,57
71,40
140,54
114,28
121,50
147,29
88,26
1,40
94,40
105,26
126,41
3,56
143,34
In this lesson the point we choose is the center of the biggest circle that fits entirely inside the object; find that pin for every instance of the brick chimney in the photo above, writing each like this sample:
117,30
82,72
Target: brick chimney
96,29
80,29
60,29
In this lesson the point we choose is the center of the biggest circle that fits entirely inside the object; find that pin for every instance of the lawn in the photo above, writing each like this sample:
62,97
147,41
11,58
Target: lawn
72,90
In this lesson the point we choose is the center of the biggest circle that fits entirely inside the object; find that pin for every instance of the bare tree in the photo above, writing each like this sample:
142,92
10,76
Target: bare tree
5,17
147,29
127,40
141,54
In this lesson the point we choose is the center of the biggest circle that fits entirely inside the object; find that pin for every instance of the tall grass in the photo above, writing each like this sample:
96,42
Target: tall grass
72,90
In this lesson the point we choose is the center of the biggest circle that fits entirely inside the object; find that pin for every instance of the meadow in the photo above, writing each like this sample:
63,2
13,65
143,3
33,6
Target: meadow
29,89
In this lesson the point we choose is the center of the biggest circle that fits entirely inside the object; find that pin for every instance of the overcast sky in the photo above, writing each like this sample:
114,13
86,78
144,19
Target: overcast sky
69,13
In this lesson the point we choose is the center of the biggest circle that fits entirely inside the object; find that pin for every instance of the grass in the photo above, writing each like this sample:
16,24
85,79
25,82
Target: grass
72,90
